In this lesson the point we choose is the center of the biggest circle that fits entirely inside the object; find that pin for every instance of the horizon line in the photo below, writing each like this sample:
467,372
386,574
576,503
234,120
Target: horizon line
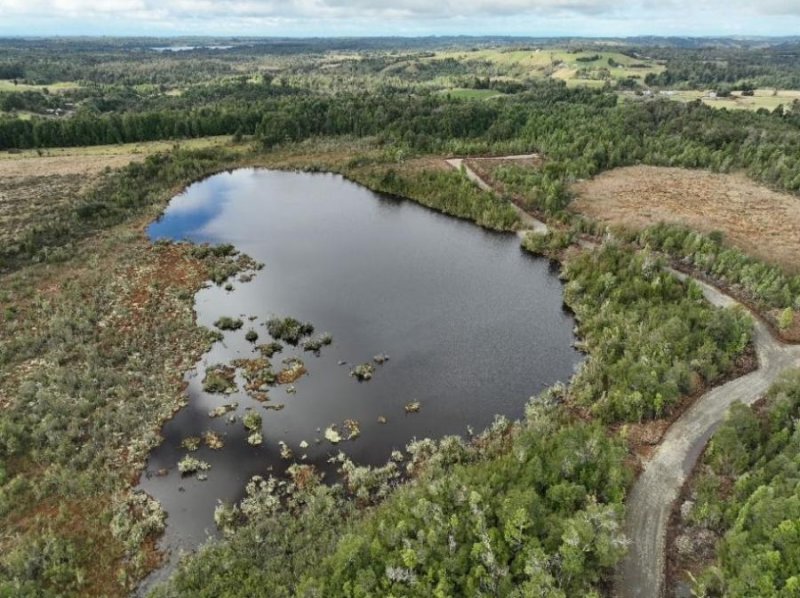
742,36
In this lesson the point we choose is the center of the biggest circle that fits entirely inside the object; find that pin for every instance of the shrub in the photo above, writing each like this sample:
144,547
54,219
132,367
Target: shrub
289,329
786,319
363,372
647,333
219,379
189,465
226,323
252,421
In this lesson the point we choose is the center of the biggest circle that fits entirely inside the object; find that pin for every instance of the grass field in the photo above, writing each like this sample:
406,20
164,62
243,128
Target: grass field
22,115
122,149
575,68
763,98
8,85
471,94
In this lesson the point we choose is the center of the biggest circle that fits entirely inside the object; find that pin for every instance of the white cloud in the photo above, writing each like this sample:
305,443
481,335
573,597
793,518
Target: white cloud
320,17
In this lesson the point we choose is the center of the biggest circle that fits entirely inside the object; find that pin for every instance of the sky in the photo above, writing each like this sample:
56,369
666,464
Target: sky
324,18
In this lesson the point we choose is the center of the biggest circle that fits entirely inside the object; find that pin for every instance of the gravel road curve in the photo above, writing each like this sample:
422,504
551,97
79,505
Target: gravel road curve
649,504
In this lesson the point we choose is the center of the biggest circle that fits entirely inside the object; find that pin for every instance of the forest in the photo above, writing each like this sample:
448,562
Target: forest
94,343
489,517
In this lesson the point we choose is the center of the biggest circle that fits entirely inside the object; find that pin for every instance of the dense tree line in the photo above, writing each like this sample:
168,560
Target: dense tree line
419,121
650,337
11,70
710,67
582,132
768,286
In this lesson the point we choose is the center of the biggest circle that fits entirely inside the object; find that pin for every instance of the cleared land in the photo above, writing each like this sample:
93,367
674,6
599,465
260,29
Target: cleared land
36,187
762,98
471,94
9,85
757,220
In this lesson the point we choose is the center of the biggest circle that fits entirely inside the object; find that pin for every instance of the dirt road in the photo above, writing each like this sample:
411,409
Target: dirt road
529,222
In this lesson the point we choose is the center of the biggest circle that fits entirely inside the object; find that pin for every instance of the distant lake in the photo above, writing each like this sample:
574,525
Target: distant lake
188,48
472,325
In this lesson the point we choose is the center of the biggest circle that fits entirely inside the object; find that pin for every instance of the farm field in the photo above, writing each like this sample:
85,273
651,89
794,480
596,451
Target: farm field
769,99
9,85
28,162
471,94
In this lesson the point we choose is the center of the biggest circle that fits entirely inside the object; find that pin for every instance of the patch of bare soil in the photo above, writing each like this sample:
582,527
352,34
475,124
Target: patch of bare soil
690,549
426,164
753,218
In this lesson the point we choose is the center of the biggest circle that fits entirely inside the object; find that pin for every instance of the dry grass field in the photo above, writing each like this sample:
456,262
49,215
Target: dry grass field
34,187
761,222
762,98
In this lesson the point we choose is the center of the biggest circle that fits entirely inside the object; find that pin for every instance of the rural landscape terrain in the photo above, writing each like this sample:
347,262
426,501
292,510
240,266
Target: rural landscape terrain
147,378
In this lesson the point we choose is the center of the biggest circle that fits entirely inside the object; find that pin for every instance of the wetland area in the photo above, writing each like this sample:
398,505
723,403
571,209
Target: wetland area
472,327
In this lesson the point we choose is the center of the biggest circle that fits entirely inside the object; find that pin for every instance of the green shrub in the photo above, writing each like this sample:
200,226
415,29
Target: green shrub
289,330
786,319
226,323
768,285
647,333
252,421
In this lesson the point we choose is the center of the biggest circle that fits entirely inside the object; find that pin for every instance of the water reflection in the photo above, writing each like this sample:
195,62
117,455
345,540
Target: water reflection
472,325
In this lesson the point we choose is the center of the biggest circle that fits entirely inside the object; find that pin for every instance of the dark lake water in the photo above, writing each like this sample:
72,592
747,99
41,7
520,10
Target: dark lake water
472,325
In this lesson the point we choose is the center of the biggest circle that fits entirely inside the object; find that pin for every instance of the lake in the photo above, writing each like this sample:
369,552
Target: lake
472,325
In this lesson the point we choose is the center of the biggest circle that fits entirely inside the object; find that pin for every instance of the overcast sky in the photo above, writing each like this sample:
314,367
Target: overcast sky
400,17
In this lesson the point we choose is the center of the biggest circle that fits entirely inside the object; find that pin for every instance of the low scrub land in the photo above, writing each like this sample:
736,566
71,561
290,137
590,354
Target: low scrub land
34,190
91,362
38,188
753,218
